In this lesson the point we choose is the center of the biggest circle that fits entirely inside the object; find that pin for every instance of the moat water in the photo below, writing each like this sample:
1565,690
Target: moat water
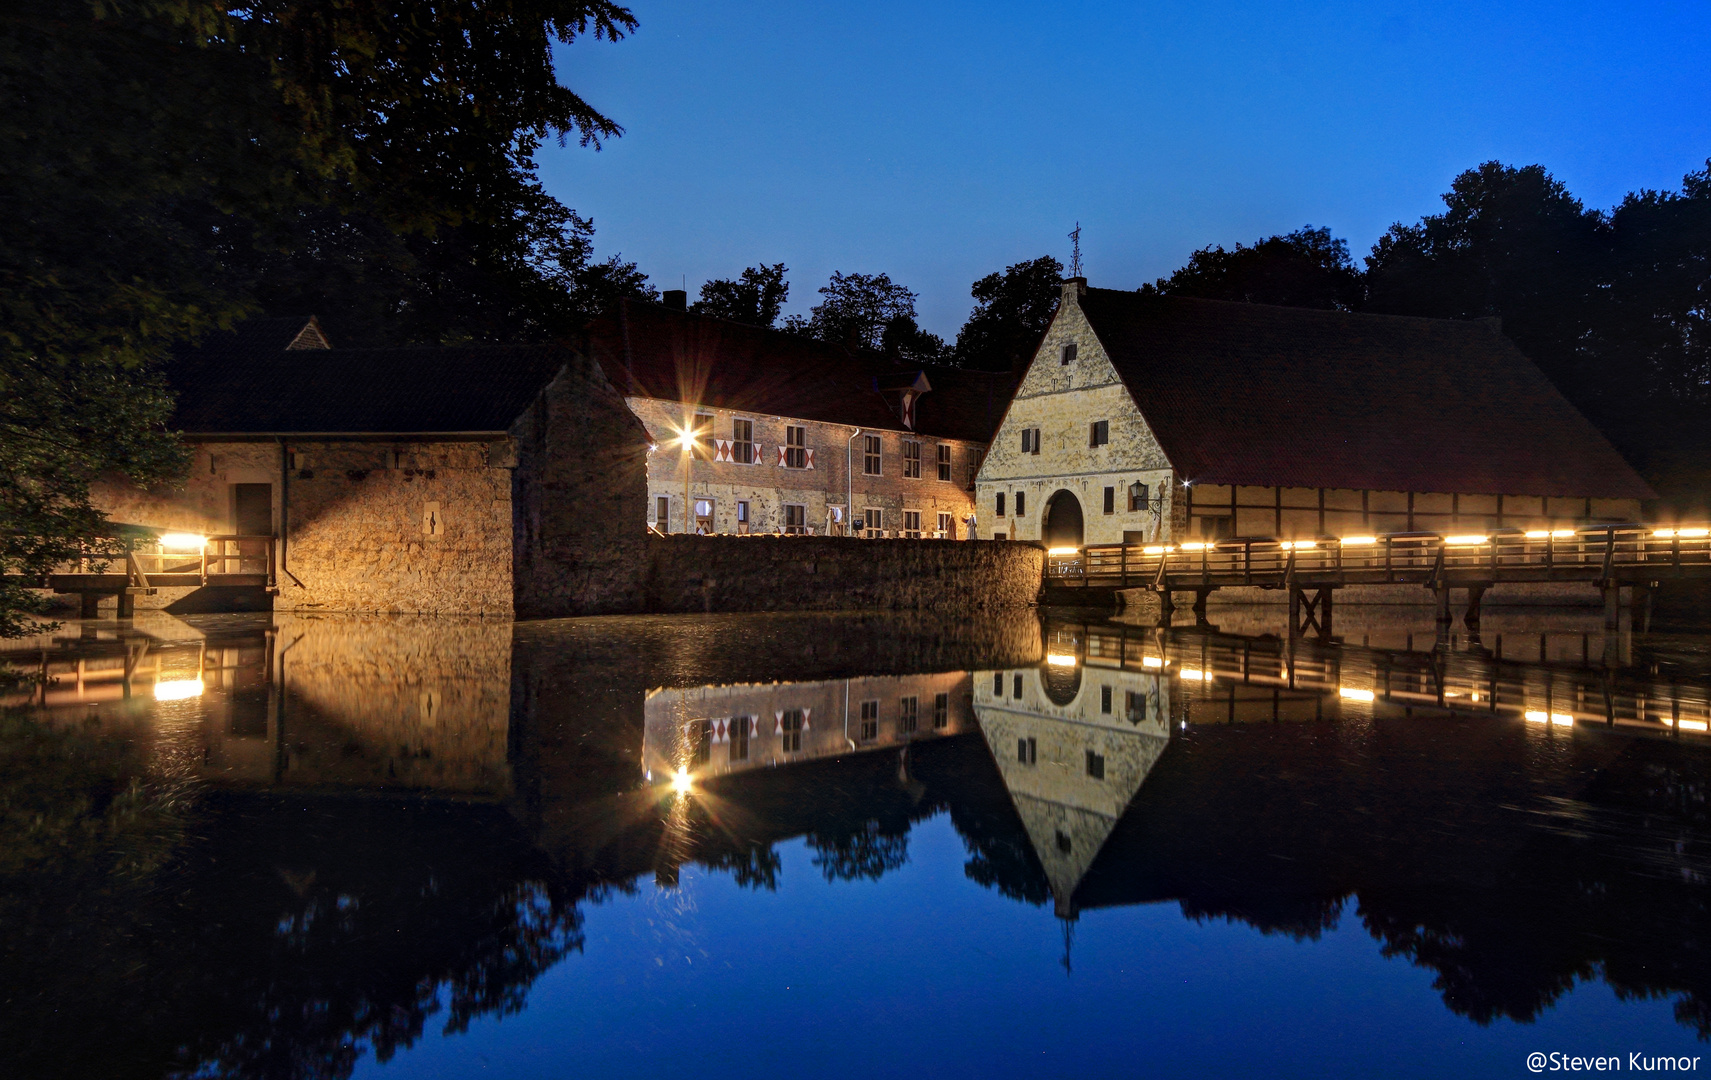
853,845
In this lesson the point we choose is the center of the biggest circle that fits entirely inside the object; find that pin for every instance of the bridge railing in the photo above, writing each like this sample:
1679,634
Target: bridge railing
1422,557
204,556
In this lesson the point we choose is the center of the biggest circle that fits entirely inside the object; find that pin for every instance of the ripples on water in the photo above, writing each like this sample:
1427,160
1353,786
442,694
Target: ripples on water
289,846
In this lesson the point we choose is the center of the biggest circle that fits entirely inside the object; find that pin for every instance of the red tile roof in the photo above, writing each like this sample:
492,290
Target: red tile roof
1296,397
653,351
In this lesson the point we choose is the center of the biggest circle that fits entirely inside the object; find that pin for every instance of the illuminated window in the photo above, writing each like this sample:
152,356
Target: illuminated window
911,460
944,461
873,521
912,524
947,527
795,519
662,512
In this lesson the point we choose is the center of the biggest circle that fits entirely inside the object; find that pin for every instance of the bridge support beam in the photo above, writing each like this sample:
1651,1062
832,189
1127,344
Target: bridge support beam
1475,595
1310,613
1443,598
91,605
1612,607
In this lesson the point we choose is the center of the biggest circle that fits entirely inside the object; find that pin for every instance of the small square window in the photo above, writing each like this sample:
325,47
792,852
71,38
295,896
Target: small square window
1027,440
1099,433
1066,354
1027,751
1096,765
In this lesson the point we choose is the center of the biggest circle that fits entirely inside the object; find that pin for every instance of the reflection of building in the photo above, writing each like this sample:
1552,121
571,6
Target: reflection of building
713,730
1148,418
1073,743
349,704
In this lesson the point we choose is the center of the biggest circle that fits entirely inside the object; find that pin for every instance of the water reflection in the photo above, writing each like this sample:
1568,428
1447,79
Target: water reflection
362,831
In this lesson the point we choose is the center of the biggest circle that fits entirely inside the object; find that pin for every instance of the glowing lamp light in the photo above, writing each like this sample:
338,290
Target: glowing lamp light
177,689
1354,693
1062,551
183,541
1470,540
1194,674
1151,661
1557,718
1562,719
1195,546
680,781
1300,545
1156,549
686,439
1692,725
1060,660
1535,717
1549,534
1355,541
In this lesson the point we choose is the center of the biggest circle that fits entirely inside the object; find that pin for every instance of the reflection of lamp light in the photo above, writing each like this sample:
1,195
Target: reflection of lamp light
1465,541
681,781
1692,725
1194,674
1151,661
1352,541
1559,719
177,689
1356,694
1060,660
183,541
1062,551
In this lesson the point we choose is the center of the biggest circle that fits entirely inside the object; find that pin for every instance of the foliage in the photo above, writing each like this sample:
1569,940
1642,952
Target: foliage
1306,268
870,311
1011,312
755,298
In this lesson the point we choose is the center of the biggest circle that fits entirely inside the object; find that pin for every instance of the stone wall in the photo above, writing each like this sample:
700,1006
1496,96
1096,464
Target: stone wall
580,499
795,573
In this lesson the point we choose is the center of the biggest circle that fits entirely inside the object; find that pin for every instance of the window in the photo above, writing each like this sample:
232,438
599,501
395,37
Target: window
1099,433
1030,440
912,524
796,447
944,461
1066,354
1137,496
947,528
911,460
870,456
790,727
1135,706
662,513
743,441
941,711
701,434
1000,536
1036,441
908,714
872,521
1016,687
1027,751
1021,503
704,516
795,519
997,684
742,516
869,720
1110,500
1105,700
701,736
1096,765
1214,527
1064,844
1000,503
740,738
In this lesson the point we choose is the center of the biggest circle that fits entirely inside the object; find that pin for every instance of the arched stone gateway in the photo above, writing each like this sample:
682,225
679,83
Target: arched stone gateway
1062,525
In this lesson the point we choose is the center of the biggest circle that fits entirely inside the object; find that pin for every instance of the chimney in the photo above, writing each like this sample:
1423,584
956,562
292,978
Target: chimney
676,299
1074,289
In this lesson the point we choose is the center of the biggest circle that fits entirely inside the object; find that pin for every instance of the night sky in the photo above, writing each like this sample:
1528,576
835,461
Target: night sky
937,142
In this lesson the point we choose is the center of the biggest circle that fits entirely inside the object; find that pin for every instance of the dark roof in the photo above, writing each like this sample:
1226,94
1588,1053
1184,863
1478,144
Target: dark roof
242,387
1295,397
649,350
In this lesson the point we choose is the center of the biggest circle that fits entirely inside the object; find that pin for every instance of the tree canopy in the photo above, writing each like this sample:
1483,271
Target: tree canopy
1306,268
1011,311
756,297
869,311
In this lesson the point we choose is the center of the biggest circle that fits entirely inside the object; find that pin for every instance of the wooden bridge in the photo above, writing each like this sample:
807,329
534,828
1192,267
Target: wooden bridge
232,560
1609,557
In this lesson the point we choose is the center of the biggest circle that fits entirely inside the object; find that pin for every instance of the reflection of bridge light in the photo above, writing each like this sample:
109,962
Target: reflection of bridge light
681,782
1195,546
1299,545
1470,540
1356,694
1693,534
1692,725
1194,674
183,541
1559,719
1156,549
1151,661
1354,540
1060,660
1062,551
177,689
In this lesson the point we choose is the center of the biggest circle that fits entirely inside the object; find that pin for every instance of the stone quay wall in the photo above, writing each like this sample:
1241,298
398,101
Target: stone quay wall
796,573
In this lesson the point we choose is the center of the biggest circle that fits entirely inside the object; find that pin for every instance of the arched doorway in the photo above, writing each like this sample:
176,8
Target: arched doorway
1062,524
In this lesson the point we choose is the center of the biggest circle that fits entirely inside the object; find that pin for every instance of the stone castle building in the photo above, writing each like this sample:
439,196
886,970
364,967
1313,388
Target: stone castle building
499,481
1145,418
759,431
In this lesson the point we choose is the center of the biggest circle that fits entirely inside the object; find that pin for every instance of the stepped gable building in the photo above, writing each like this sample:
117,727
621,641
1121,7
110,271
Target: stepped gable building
496,480
776,433
1147,418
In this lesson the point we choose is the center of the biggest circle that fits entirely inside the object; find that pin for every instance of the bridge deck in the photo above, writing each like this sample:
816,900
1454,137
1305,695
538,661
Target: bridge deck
1607,555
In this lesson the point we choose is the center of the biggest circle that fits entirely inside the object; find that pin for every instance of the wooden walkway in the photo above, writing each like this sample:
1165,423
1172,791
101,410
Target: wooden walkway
231,560
1609,557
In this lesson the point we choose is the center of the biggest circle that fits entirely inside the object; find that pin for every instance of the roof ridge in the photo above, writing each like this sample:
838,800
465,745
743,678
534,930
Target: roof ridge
1476,320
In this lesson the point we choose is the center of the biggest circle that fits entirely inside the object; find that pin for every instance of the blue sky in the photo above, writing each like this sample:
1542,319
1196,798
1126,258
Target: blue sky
937,142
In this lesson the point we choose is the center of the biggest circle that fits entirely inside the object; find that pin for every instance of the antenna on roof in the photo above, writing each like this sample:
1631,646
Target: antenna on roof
1075,251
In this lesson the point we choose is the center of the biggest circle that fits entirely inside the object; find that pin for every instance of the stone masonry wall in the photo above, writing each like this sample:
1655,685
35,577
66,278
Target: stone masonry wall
796,573
580,499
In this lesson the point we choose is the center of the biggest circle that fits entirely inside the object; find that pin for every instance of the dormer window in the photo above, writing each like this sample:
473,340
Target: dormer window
1066,354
